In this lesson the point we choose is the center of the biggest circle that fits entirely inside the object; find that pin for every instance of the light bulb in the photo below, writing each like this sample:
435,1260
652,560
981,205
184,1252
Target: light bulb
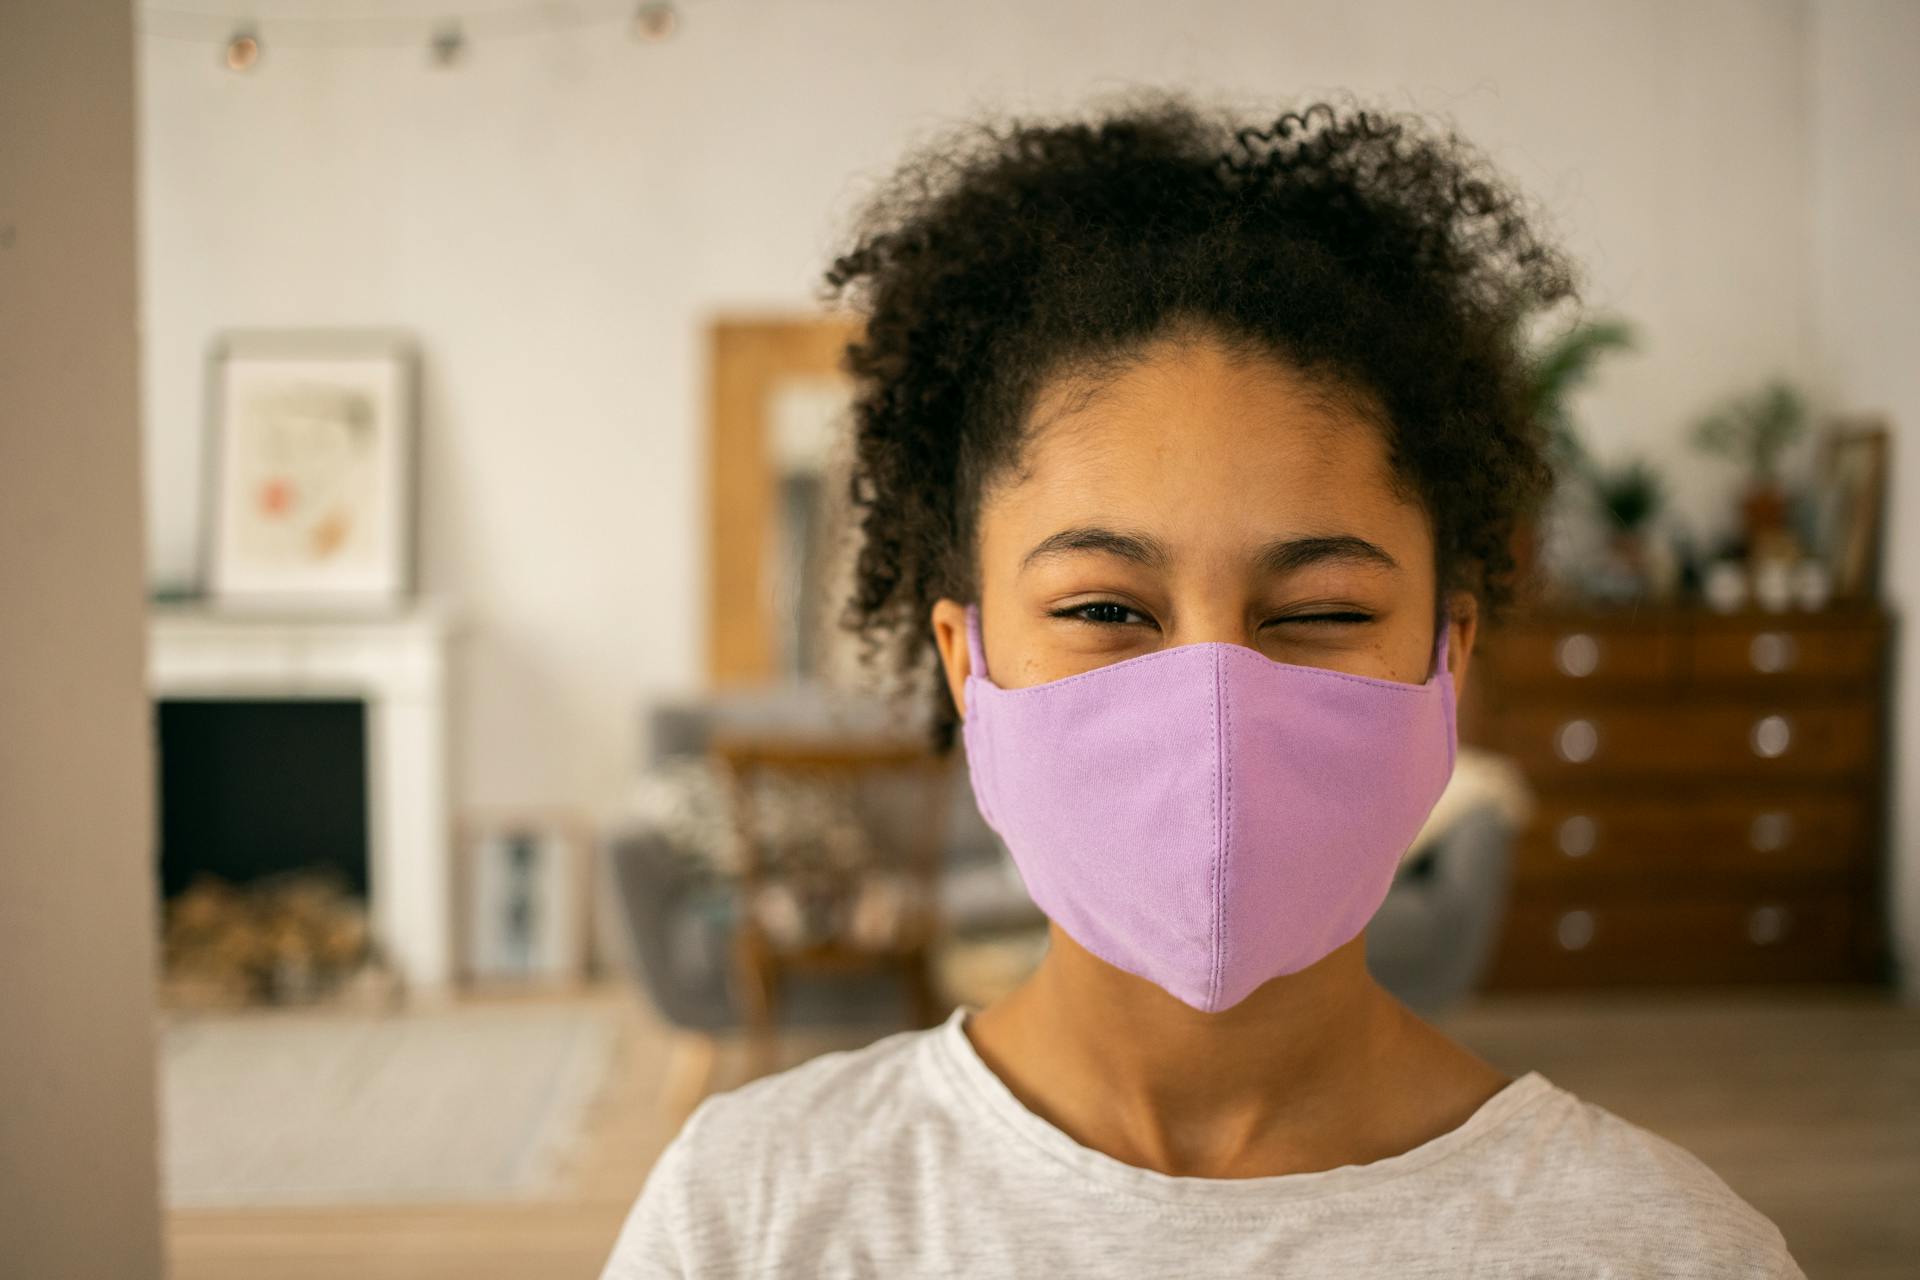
449,45
655,20
243,50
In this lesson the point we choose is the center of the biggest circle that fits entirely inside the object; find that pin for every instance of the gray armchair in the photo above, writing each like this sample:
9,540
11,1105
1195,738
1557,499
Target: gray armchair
677,920
1430,942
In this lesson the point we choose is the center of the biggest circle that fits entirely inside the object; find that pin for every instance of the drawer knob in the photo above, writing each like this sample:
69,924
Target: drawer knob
1577,655
1771,736
1574,930
1769,832
1576,741
1577,836
1768,925
1772,652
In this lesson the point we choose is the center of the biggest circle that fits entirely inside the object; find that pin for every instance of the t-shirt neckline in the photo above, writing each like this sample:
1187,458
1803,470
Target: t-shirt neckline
973,1078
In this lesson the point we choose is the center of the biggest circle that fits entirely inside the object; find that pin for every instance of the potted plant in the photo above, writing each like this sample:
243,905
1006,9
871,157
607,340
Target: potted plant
1755,429
1560,367
1631,495
1628,496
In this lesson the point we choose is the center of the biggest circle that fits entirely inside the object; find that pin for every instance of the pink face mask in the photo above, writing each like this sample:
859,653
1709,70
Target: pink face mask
1203,816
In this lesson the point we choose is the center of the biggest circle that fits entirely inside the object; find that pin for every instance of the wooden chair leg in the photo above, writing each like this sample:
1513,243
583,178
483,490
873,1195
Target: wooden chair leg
759,992
763,1047
923,1002
689,1075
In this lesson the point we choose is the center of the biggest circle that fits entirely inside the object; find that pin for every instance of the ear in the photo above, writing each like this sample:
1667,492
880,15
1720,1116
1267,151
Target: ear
950,638
1463,615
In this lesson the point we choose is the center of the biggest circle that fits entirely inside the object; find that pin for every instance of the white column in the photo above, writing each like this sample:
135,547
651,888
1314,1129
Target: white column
411,856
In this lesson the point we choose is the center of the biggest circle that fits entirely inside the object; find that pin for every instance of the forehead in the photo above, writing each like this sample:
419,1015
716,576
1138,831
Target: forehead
1195,438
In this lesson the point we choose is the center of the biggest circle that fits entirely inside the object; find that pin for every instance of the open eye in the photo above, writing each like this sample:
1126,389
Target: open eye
1110,613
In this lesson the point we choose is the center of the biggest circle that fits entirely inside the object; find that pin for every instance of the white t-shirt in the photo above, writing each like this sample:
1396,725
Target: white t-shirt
910,1157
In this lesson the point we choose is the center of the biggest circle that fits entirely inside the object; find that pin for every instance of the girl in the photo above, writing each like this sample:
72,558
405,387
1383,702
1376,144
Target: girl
1193,453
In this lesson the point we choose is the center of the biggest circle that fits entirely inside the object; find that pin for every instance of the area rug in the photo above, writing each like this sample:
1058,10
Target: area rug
450,1104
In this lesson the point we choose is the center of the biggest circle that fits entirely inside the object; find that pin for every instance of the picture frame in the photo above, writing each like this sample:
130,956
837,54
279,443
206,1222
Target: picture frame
524,897
1853,485
770,380
312,440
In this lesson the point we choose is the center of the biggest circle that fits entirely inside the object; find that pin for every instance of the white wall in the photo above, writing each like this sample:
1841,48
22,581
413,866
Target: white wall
557,217
1866,223
79,1177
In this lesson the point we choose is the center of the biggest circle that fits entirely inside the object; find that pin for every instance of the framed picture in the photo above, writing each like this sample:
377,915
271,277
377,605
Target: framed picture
524,901
1854,479
310,482
774,529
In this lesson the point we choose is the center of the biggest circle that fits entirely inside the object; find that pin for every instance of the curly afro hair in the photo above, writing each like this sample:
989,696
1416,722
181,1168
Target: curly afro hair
1363,248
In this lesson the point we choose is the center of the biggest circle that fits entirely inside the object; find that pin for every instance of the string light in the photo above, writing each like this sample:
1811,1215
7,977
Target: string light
655,20
241,41
243,50
449,44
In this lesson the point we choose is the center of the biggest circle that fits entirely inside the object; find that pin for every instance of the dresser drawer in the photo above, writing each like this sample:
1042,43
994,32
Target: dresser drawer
1570,940
1592,836
1757,740
1785,653
1580,655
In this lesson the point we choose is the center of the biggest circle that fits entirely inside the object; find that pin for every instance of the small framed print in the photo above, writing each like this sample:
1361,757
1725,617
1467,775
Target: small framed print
311,477
524,892
1854,475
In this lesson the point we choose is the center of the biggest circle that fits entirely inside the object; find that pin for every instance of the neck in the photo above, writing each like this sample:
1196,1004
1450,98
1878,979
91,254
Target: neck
1128,1069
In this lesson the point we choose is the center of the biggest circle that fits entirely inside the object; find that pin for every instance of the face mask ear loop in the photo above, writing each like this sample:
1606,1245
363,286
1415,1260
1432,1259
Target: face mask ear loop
1447,694
976,649
1440,638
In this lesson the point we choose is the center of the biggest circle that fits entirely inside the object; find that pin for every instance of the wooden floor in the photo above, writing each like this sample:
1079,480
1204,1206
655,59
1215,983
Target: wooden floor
564,1238
1807,1102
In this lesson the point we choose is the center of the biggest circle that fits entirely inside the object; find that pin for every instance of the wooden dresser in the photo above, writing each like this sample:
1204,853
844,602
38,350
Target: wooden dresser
1710,794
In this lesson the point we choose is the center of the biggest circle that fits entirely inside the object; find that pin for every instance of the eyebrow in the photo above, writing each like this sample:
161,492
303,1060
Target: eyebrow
1278,557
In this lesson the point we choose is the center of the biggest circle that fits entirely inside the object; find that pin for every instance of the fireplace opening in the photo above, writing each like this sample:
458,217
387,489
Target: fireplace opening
252,788
264,847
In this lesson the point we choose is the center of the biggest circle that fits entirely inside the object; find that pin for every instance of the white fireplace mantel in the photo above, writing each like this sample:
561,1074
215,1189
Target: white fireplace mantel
398,664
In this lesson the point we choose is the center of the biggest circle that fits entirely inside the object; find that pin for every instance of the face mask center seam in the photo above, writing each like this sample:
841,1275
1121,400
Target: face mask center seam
1213,862
1225,852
